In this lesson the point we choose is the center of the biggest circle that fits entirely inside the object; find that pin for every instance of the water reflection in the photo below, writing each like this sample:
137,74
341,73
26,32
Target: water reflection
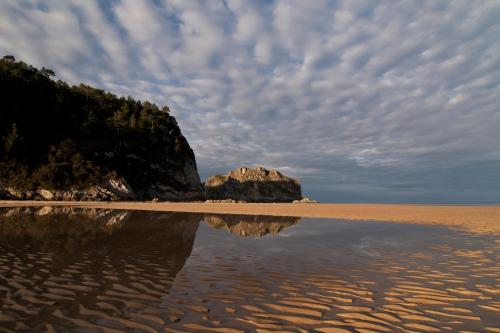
250,226
89,270
58,264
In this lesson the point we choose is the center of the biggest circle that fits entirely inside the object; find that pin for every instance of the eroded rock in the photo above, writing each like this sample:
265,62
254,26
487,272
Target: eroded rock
253,185
109,190
305,200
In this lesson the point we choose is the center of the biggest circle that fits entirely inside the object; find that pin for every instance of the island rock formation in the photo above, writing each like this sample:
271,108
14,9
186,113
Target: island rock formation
253,185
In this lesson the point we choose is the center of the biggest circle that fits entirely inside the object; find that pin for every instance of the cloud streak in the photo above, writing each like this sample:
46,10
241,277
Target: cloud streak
370,101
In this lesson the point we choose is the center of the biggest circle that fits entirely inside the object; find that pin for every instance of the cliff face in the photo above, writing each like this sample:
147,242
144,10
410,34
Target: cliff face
253,185
61,142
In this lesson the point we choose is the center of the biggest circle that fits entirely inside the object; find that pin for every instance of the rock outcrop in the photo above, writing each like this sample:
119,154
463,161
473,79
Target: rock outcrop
174,183
253,185
224,201
305,200
109,190
81,143
186,184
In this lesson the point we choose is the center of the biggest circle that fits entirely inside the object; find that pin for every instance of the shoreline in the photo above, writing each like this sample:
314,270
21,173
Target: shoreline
475,218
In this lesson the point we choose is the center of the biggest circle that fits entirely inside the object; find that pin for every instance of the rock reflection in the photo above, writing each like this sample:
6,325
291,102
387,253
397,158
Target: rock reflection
85,270
64,268
250,226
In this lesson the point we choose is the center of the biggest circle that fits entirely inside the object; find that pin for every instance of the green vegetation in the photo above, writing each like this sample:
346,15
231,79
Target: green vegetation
57,136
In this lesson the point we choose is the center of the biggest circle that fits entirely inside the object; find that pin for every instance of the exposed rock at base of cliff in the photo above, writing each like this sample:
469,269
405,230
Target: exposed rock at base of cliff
305,200
113,190
109,190
253,185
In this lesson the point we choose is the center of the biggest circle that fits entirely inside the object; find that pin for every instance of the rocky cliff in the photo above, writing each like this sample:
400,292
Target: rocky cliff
253,185
61,142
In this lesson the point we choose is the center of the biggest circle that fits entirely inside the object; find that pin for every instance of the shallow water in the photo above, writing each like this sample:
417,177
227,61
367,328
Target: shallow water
86,270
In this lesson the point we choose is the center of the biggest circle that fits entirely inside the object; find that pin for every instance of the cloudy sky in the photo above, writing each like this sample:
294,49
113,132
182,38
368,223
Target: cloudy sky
382,101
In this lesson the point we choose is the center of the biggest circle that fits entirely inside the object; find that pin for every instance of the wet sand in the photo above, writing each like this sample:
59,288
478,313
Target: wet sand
474,218
310,276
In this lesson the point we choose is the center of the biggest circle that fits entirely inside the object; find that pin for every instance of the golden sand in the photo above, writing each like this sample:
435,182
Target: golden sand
395,294
451,286
474,218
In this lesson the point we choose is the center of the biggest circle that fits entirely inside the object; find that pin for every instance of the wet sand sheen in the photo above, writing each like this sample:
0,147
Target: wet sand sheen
450,284
475,218
355,300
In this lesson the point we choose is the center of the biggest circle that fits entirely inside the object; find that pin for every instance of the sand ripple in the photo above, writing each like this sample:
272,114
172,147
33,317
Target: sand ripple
139,281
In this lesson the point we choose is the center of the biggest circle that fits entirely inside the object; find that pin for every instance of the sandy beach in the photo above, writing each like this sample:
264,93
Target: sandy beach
112,271
473,218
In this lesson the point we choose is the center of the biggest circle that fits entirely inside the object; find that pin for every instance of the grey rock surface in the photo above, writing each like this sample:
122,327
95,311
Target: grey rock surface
253,185
305,200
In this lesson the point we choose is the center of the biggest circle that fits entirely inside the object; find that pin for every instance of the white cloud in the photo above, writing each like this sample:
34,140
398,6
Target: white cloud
355,97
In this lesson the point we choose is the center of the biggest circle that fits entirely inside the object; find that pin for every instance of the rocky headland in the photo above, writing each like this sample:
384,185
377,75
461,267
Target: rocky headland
79,143
253,185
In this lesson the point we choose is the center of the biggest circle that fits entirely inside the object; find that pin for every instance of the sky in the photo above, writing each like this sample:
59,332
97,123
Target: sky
363,101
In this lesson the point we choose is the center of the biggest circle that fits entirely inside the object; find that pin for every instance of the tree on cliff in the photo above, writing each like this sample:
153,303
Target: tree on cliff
56,136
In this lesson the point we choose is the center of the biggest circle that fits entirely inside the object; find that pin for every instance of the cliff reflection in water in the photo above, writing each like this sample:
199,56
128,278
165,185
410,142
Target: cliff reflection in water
63,268
85,270
77,229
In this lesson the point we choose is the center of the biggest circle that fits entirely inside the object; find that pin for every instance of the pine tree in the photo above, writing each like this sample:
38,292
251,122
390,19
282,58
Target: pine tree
11,138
